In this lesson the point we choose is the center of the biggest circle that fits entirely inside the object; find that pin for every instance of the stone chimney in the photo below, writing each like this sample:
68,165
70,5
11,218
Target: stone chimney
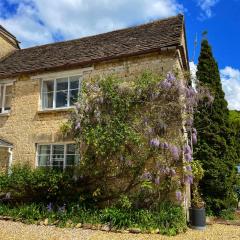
8,43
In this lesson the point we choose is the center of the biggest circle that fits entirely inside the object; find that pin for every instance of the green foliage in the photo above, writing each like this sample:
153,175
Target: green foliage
215,149
114,123
168,218
228,214
26,184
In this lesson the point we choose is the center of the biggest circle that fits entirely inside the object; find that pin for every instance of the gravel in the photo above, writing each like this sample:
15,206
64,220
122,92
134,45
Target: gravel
18,231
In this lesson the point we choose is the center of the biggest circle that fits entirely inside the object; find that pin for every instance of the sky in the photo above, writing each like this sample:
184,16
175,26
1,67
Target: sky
37,22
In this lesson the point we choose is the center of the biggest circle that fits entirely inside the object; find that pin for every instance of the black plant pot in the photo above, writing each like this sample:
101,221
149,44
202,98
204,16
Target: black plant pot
197,217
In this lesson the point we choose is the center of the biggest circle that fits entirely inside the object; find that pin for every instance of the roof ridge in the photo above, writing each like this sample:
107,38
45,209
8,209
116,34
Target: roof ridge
105,33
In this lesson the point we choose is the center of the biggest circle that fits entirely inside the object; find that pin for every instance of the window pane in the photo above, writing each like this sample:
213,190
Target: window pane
57,164
58,149
72,160
74,82
73,97
44,149
47,100
47,94
44,160
48,86
71,149
58,156
61,99
62,84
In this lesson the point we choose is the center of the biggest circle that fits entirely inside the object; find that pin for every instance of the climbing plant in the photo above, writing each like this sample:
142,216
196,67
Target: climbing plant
130,138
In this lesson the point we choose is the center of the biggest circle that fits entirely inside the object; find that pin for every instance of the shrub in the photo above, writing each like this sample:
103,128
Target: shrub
228,214
168,218
25,184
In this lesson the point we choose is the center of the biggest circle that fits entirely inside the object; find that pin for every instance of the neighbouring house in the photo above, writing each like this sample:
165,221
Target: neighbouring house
38,85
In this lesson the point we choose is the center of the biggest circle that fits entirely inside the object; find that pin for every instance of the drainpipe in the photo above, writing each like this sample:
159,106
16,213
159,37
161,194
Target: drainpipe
10,160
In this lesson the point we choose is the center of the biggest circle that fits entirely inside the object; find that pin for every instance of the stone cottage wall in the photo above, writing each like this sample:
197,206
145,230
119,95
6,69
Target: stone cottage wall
26,125
4,156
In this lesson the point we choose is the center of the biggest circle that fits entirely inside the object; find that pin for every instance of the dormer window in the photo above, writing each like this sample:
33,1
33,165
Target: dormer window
60,92
5,97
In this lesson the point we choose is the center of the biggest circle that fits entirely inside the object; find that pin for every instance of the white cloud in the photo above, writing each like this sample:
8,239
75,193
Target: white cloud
193,71
230,78
40,21
231,86
206,7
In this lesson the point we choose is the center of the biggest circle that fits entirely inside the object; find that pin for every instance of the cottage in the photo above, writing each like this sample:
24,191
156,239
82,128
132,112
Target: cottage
39,85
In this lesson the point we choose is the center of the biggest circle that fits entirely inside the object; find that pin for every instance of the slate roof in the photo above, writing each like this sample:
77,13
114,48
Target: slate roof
85,51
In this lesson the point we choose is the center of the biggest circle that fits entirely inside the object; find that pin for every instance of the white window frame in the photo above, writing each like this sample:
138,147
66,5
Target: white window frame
51,153
4,86
55,91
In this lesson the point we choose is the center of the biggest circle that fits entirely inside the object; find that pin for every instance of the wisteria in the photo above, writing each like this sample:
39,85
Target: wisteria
135,125
178,195
154,142
175,152
50,207
188,179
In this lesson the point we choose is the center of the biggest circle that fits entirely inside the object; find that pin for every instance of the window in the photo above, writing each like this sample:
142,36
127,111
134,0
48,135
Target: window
5,97
60,92
57,155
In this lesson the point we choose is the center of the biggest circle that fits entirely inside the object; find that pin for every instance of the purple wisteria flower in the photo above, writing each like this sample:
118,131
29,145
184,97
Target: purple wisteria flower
178,195
166,85
189,168
171,77
194,138
165,145
147,176
175,152
187,149
190,92
50,207
188,157
154,142
188,179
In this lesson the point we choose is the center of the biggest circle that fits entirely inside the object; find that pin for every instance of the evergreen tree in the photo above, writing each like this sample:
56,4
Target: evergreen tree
215,148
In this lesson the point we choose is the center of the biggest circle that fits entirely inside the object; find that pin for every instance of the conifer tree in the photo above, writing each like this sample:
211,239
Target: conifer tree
215,148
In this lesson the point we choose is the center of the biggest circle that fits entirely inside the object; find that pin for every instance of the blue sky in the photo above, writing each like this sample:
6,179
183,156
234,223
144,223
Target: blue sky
36,22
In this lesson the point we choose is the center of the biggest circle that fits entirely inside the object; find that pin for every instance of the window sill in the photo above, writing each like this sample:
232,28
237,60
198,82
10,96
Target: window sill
68,109
5,114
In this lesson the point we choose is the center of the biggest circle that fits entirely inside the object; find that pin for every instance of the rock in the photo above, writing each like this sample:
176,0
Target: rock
99,226
79,225
69,223
105,228
45,222
55,222
134,230
87,226
113,229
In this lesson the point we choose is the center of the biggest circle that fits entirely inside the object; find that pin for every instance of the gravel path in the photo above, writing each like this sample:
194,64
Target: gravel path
19,231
